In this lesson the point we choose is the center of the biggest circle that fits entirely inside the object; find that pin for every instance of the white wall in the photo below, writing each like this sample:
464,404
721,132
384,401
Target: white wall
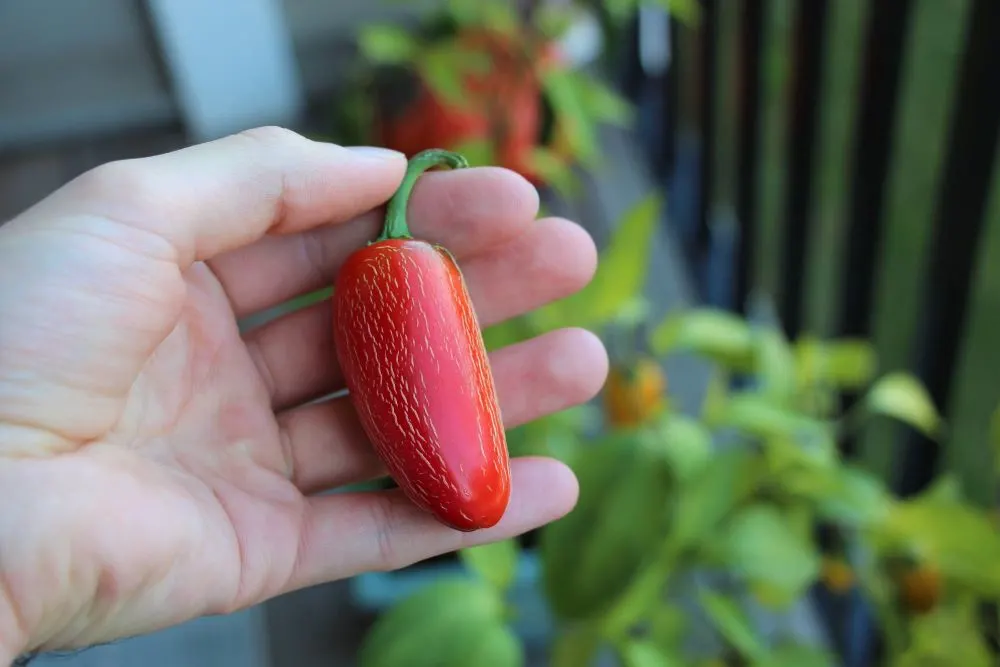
76,67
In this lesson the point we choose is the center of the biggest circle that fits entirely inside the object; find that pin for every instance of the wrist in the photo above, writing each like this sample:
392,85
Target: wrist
10,655
12,641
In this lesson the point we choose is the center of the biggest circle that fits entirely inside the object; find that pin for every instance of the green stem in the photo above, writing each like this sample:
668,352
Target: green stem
395,220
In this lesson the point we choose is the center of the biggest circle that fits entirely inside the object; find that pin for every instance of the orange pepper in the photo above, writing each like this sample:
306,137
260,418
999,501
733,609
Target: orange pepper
635,393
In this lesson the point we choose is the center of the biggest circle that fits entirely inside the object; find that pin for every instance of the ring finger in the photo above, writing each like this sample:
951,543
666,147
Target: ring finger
536,377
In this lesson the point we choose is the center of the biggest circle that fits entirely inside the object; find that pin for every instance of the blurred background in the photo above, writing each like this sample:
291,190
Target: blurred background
821,170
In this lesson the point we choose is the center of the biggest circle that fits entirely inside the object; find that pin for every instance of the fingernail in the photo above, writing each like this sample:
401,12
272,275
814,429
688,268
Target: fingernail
376,152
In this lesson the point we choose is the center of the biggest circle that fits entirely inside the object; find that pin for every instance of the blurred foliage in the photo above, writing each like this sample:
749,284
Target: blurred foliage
738,489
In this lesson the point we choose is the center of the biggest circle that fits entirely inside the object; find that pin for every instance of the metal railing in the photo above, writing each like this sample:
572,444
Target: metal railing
723,92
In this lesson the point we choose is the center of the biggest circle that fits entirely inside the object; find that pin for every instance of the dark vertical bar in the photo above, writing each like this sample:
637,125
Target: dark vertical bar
958,226
707,103
807,67
670,87
748,151
633,76
887,30
881,66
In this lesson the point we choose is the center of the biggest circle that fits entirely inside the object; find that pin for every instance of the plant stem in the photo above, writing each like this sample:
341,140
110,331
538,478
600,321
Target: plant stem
395,220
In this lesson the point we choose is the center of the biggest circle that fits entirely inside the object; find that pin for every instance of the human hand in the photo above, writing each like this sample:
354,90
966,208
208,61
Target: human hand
157,464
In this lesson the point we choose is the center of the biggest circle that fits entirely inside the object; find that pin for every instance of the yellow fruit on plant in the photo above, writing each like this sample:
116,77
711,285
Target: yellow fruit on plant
634,393
920,589
837,575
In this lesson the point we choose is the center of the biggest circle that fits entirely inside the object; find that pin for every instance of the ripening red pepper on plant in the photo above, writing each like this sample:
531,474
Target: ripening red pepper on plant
416,368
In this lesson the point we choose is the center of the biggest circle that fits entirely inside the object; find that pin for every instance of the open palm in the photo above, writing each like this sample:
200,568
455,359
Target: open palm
165,465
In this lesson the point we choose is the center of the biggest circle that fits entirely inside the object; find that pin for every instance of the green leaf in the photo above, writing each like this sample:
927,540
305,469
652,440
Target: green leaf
563,435
444,67
950,635
733,624
633,314
755,415
561,87
842,364
667,625
479,152
497,646
644,653
846,495
499,16
801,520
575,647
763,548
685,11
946,488
603,103
553,20
496,562
554,170
716,490
903,397
444,620
620,276
774,365
440,74
716,334
788,460
716,397
959,539
387,44
620,9
504,333
686,443
557,434
592,554
817,401
799,655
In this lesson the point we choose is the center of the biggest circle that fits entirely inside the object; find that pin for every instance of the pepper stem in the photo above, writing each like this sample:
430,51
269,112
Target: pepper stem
395,220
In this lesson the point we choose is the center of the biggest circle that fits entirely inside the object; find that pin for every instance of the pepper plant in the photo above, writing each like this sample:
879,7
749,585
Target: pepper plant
734,490
486,78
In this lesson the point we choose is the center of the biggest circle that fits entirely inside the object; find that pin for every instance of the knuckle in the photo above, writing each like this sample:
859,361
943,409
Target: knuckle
119,180
271,135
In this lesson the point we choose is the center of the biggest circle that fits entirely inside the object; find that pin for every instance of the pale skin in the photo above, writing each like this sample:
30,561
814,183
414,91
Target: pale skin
158,464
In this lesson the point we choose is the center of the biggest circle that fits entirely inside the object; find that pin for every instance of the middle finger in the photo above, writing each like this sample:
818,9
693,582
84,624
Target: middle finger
468,211
551,260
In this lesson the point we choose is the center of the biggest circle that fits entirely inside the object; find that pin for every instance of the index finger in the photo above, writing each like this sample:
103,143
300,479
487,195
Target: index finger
217,196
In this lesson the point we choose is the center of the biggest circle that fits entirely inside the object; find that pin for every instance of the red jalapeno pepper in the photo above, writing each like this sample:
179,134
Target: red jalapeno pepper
417,371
